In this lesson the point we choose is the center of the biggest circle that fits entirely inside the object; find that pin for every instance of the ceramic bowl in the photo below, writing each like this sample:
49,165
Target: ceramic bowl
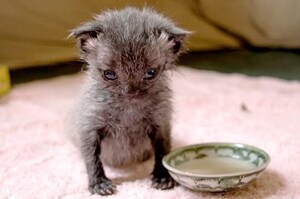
216,167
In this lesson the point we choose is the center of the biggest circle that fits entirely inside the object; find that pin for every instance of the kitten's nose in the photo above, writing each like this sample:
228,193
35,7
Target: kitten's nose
129,90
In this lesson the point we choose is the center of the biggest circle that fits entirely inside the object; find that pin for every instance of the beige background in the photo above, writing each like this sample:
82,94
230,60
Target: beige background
34,32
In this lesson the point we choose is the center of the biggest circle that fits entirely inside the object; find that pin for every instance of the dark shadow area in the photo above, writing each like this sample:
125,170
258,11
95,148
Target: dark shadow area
27,74
284,64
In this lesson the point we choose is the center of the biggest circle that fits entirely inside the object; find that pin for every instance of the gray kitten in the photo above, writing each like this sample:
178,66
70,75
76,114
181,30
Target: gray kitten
124,112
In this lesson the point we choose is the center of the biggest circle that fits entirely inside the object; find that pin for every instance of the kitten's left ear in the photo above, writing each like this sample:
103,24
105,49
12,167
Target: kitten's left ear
177,36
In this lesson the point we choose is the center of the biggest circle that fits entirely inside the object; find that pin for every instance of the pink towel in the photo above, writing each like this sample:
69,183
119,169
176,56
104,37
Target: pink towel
37,161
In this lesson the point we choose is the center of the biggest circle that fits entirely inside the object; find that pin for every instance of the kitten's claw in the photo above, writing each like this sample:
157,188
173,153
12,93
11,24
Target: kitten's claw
104,188
163,183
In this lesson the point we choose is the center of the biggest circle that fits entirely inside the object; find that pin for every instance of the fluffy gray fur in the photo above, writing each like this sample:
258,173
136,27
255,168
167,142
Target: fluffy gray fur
126,120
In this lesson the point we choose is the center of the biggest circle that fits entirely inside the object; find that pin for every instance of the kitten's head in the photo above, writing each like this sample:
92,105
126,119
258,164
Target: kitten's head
127,51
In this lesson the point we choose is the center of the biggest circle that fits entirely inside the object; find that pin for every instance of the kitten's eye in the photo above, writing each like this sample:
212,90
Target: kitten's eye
110,74
149,74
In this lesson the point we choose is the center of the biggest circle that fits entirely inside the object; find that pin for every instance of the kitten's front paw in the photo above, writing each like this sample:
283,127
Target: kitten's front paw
163,183
104,187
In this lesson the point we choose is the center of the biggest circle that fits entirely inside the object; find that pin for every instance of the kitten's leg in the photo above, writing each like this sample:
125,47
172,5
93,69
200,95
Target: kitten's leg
161,178
91,149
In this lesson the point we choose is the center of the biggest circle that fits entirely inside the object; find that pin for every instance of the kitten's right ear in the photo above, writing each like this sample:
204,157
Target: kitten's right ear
86,35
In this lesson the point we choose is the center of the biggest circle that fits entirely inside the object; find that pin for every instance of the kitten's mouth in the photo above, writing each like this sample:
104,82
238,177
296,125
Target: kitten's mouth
135,95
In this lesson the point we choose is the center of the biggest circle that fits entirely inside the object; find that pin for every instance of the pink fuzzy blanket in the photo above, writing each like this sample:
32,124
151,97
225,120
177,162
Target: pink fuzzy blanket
37,161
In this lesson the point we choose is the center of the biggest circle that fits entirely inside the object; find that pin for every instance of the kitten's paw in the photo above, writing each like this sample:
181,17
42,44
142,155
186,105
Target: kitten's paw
163,183
104,187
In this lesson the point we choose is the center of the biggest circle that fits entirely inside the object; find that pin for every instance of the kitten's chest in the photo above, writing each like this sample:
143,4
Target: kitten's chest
130,114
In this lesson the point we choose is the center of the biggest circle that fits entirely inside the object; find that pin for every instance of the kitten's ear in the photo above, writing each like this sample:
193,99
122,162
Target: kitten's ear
176,36
86,35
